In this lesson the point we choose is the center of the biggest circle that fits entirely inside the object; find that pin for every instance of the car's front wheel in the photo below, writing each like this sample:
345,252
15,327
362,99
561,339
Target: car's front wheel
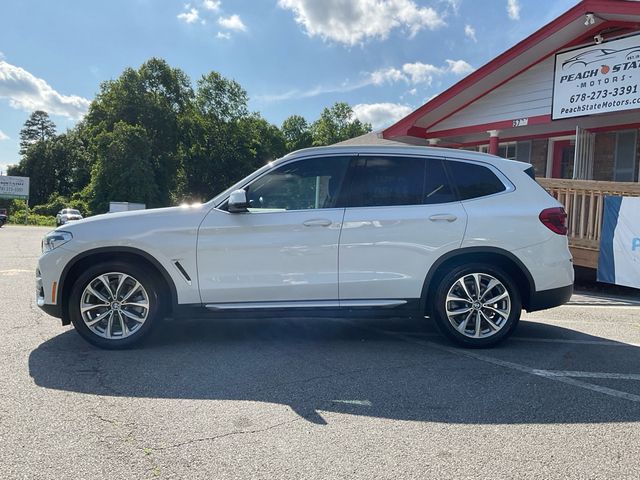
477,305
114,305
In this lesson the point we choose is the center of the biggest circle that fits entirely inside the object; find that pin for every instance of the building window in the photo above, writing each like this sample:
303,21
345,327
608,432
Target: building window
625,157
520,151
507,150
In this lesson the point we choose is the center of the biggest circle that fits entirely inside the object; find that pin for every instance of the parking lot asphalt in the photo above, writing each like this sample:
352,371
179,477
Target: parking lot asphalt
316,398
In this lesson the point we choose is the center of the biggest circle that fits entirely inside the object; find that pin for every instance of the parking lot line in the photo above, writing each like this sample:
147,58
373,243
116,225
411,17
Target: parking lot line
604,375
502,363
570,341
604,343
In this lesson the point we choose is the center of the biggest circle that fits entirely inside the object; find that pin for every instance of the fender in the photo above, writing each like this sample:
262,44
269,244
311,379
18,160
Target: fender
119,249
474,251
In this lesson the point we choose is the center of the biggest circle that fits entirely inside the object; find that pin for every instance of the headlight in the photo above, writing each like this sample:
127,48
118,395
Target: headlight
54,239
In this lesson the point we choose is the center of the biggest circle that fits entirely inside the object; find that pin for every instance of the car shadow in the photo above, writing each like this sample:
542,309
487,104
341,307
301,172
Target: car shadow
395,369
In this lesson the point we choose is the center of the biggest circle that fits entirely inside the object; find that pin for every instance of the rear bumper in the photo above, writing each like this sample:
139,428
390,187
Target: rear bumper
550,298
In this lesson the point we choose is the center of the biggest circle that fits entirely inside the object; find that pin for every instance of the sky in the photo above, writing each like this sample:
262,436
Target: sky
383,57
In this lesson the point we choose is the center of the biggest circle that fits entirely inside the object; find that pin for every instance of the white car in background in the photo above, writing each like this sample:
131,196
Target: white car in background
464,238
67,215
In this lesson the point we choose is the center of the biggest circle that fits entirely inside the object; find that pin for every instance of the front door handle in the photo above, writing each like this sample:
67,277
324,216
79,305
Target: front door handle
443,217
317,222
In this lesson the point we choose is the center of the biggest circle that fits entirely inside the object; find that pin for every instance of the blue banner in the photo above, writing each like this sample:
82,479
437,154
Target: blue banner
619,260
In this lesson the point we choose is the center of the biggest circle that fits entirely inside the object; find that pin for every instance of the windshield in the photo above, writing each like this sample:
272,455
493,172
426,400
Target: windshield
69,211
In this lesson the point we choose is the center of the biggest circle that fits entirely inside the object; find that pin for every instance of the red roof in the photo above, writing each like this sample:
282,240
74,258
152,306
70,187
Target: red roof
568,30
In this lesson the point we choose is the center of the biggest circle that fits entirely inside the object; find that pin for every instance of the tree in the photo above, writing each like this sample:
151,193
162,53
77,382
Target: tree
155,98
337,124
59,165
37,128
224,143
122,171
296,133
220,98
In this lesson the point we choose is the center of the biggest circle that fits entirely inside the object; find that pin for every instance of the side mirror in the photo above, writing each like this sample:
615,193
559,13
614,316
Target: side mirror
238,201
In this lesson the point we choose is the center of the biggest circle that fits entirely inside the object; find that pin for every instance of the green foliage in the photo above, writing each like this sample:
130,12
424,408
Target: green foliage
149,137
37,128
57,165
32,219
122,172
337,124
18,211
154,98
221,99
16,205
296,133
58,202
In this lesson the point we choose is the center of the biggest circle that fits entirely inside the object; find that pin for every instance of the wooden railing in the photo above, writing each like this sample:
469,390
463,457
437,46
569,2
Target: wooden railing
584,200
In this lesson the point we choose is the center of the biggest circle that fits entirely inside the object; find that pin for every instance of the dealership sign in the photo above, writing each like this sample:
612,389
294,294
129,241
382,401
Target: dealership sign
14,187
597,79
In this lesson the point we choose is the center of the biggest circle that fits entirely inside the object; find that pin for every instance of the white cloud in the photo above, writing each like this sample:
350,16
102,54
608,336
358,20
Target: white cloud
387,75
212,5
410,73
418,72
470,32
381,115
223,35
354,21
459,67
513,9
28,92
421,72
190,15
232,22
3,136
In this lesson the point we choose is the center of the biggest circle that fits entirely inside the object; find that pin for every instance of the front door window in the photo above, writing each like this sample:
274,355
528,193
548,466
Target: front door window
304,185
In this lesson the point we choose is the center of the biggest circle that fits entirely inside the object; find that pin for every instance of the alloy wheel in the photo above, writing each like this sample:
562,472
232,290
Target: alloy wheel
478,305
114,305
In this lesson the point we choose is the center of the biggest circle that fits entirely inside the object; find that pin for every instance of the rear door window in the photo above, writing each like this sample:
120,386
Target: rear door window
377,181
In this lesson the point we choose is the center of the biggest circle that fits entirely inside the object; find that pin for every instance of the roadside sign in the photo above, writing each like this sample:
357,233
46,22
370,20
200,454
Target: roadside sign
14,187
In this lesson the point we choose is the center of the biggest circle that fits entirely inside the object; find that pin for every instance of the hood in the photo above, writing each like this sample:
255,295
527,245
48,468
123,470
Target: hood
141,220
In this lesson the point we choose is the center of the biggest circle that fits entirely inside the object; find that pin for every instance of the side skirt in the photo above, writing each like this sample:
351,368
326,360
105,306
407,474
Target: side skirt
322,308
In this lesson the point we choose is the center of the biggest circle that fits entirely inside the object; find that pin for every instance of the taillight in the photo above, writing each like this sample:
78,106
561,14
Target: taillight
555,219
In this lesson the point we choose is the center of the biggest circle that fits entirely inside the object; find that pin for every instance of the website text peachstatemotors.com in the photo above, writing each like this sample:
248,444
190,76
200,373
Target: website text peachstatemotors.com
608,99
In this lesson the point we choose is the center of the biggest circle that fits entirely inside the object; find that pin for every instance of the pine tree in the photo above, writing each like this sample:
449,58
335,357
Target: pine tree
37,128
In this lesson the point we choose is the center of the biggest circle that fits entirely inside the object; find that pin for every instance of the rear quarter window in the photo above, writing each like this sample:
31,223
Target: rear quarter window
474,181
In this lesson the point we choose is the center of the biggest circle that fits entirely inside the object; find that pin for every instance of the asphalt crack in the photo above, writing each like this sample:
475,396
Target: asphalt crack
228,434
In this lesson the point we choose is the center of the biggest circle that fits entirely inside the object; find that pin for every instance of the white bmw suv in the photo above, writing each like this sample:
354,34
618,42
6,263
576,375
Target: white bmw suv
464,238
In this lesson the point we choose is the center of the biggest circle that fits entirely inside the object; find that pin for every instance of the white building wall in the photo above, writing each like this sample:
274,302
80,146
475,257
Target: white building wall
527,95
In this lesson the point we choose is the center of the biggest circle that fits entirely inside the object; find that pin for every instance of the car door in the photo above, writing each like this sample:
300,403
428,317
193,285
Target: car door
285,247
401,216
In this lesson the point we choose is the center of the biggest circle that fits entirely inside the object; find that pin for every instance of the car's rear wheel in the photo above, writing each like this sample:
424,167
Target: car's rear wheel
114,305
477,305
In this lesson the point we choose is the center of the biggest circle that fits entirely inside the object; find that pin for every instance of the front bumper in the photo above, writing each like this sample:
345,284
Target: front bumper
48,273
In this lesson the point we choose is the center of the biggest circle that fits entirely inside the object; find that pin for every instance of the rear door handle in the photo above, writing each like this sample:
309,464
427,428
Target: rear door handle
443,217
317,222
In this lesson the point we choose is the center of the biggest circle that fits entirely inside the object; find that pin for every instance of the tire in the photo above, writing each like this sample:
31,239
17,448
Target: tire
133,309
458,319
